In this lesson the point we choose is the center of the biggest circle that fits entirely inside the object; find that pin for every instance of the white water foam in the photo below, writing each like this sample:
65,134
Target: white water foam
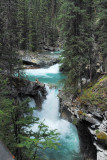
53,69
50,113
51,117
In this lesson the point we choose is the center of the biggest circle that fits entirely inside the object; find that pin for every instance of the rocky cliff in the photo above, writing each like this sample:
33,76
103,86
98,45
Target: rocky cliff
34,60
89,113
23,88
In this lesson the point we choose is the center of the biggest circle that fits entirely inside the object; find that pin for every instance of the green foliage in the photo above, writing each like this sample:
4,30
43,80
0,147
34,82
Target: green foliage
25,25
96,95
39,141
75,121
83,24
16,121
76,28
30,25
101,33
36,24
97,131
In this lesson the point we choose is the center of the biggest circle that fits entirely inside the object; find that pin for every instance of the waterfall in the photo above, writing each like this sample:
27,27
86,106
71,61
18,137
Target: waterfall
68,134
69,149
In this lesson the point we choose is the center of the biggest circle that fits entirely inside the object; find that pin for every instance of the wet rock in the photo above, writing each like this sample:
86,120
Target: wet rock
90,119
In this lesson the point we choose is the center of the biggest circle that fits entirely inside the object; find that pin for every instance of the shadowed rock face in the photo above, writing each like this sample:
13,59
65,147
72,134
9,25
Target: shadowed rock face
86,141
4,153
23,88
89,120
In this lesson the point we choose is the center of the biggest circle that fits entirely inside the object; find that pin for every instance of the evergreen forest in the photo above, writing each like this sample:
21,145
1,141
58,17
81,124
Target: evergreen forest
79,28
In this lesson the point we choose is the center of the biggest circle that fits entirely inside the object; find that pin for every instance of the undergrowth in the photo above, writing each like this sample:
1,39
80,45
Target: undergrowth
96,95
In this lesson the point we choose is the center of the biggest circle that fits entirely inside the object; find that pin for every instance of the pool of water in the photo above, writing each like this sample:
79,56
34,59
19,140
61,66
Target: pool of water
49,75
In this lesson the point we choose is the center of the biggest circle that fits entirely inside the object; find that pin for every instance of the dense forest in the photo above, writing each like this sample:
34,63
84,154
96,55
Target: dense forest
33,25
30,25
84,28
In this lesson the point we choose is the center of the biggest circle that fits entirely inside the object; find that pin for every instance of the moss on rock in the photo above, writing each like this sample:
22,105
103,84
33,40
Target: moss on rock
101,135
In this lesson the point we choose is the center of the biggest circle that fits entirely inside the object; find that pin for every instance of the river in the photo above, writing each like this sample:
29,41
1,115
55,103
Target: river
69,148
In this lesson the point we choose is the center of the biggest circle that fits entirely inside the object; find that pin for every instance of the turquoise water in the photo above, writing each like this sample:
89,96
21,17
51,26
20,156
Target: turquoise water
69,148
48,78
49,75
52,53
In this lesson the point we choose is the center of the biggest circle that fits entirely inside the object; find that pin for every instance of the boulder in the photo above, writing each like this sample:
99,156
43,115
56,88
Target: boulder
5,153
40,60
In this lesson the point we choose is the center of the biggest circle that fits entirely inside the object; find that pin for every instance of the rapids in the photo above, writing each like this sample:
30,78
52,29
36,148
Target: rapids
69,149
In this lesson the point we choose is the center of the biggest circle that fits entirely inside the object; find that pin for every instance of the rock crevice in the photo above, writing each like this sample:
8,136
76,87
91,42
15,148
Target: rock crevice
91,123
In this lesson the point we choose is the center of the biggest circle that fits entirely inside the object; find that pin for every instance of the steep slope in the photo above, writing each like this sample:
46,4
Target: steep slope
89,113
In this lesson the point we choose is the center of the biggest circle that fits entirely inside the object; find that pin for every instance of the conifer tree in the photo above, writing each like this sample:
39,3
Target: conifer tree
75,56
101,30
16,121
8,57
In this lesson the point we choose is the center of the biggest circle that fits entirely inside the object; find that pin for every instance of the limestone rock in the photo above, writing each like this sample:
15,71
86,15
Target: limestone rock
39,60
106,114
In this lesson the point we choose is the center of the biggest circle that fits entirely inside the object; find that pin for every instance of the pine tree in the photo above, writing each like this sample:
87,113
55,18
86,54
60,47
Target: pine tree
8,56
75,56
16,120
101,31
22,24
